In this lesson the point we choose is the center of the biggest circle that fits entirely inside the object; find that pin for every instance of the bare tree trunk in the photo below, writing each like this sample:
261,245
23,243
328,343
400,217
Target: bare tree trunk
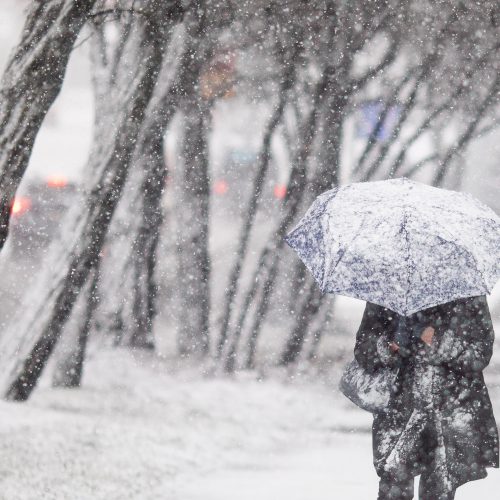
145,245
192,219
70,369
319,332
193,188
259,316
30,84
307,311
152,36
232,352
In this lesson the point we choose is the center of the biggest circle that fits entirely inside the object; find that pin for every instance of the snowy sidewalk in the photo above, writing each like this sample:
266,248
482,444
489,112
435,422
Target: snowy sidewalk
341,470
136,431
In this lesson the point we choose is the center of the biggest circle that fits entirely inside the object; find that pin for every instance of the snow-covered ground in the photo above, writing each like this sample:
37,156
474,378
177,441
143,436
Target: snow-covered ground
142,428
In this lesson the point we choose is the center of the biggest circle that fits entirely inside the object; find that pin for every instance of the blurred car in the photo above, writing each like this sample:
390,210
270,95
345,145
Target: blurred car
234,180
37,212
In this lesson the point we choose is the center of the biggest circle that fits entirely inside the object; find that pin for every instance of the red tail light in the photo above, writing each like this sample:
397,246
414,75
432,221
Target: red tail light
221,187
280,191
57,181
20,205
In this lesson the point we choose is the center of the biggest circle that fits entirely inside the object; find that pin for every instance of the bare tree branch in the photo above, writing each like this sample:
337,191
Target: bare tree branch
464,140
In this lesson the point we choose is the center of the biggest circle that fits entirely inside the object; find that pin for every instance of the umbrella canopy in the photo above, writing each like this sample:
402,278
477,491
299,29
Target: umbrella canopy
400,244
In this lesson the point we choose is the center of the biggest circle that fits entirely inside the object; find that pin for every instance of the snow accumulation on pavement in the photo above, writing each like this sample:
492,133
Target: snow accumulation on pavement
141,429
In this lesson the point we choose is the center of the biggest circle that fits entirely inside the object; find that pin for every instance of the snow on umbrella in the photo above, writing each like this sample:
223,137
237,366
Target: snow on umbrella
400,244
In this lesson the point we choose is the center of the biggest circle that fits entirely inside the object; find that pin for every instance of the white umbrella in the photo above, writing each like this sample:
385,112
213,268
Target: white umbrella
400,244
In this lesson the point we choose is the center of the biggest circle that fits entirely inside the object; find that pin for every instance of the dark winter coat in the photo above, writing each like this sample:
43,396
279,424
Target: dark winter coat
439,392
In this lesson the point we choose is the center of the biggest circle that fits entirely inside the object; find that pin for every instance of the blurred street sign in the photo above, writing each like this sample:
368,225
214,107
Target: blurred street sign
369,117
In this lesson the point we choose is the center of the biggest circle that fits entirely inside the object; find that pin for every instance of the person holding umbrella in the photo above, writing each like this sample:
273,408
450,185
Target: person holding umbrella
439,420
423,258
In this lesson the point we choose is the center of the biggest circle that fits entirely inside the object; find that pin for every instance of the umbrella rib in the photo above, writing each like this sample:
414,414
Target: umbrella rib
454,240
471,253
343,252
